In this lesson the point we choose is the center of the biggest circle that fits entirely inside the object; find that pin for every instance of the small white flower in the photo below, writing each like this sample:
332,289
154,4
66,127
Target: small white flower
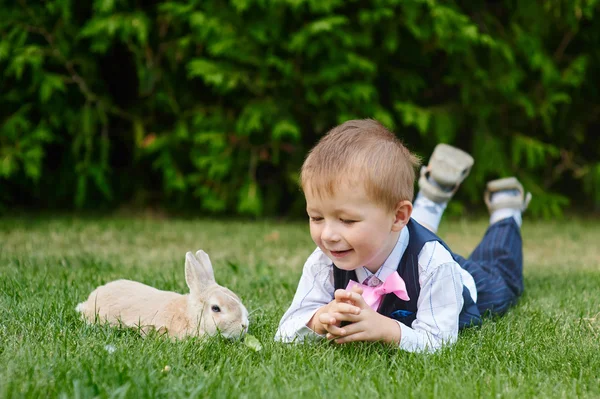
110,348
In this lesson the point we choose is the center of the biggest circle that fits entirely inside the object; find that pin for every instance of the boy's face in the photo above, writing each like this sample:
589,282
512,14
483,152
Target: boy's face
350,228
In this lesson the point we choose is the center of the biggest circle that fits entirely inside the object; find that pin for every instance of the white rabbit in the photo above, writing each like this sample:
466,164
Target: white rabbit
208,309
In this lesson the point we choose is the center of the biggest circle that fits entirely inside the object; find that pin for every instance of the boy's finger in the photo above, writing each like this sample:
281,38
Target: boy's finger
335,330
341,295
327,318
350,297
346,317
358,289
346,308
352,332
359,336
358,300
331,337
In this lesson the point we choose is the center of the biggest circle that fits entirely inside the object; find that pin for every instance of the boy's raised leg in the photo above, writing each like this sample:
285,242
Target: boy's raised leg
439,180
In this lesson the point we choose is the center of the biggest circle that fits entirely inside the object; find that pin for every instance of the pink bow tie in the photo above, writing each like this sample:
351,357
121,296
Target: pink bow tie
372,295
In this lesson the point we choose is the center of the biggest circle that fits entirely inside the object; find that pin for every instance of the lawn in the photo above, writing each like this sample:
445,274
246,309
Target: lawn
547,346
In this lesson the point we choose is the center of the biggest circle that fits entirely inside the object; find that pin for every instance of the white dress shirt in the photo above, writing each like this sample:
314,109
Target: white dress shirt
438,306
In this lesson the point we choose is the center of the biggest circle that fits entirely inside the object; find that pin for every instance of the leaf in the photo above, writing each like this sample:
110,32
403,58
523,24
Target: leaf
104,6
212,139
128,25
29,55
526,104
50,84
574,74
240,5
7,165
252,342
99,178
286,128
220,75
385,118
4,49
181,131
325,25
536,152
254,117
32,160
413,115
560,97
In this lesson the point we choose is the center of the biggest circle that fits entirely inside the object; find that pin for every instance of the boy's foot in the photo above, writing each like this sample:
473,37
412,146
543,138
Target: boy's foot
505,198
439,180
447,168
506,193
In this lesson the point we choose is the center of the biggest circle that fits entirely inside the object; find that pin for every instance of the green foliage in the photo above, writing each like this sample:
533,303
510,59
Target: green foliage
198,104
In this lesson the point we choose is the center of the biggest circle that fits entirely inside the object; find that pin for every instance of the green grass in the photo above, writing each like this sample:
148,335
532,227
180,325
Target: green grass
547,346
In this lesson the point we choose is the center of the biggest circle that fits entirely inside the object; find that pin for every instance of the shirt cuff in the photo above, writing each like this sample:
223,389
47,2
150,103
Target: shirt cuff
305,333
412,341
297,331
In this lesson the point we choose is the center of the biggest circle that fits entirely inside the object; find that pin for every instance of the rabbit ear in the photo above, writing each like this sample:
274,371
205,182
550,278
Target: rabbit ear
198,271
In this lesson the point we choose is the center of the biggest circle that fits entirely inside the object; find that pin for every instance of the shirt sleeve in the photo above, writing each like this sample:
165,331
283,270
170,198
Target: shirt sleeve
439,304
315,290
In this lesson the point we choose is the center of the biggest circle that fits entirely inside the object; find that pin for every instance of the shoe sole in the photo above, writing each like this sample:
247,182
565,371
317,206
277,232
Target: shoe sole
448,165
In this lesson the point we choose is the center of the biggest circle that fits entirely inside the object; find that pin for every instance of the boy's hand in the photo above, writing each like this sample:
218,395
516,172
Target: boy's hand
367,325
331,315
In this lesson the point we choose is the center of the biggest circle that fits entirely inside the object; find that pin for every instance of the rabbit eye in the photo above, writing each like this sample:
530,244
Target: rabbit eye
215,308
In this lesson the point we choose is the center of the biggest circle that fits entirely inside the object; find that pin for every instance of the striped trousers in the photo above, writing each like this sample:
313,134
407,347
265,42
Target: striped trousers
497,267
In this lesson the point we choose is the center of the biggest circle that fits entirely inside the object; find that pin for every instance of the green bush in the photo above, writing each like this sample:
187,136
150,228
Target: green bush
211,106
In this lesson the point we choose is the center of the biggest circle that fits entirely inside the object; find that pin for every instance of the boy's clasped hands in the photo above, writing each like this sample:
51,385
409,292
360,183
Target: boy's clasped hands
364,323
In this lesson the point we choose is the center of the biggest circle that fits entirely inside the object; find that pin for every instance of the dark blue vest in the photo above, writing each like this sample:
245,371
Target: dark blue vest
408,269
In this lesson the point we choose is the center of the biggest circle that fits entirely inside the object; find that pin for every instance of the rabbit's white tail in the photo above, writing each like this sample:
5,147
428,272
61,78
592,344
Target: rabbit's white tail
80,308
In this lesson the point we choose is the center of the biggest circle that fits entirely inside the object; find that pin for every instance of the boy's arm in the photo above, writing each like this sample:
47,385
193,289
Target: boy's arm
314,291
439,304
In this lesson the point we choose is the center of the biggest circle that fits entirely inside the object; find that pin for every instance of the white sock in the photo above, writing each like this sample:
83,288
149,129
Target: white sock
504,213
427,212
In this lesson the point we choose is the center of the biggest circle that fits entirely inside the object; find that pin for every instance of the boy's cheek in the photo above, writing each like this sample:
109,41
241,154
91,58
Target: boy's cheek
315,235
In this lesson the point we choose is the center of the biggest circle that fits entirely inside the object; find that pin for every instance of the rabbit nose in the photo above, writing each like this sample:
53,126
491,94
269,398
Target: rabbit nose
244,326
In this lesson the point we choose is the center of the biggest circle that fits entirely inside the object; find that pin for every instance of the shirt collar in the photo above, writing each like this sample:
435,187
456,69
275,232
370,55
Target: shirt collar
391,263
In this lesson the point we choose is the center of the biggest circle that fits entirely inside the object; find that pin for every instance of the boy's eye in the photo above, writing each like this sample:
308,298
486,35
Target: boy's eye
348,221
315,218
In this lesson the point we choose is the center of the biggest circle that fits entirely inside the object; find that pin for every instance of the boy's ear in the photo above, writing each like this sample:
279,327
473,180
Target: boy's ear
402,215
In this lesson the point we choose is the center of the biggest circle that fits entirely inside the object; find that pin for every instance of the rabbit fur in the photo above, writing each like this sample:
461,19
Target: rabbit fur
208,309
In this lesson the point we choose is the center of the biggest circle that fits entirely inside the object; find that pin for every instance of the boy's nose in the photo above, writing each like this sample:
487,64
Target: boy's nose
329,234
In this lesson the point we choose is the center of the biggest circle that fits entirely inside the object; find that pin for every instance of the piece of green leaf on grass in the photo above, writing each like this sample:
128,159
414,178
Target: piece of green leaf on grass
252,342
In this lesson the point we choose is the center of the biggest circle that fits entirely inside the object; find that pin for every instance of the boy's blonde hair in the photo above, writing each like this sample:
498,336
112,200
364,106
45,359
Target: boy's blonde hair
361,151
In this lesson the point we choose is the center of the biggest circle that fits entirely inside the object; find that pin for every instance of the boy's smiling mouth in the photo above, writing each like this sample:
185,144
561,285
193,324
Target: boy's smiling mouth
341,254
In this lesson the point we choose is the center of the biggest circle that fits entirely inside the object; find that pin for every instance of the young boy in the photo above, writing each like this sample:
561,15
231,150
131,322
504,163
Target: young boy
379,275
